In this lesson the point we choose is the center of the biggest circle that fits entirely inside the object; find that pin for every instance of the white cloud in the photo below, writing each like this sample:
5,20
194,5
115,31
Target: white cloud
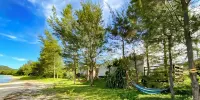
15,58
196,10
8,36
47,5
19,59
115,5
195,6
15,38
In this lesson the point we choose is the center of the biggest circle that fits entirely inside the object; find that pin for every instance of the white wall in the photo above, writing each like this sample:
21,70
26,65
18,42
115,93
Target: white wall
139,65
103,69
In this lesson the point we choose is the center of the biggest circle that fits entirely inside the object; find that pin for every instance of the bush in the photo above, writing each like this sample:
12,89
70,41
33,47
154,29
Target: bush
184,88
118,78
30,69
197,64
69,75
183,91
157,79
132,95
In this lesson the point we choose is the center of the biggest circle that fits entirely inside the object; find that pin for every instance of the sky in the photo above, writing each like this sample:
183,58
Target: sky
22,21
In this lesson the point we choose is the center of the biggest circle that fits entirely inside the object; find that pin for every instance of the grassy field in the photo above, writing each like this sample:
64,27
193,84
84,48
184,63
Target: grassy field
65,89
41,79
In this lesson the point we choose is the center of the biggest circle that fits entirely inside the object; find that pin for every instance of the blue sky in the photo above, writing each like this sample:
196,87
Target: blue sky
22,21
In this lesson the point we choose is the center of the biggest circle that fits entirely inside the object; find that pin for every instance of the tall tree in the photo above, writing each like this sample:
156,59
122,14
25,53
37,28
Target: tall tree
119,27
50,59
187,33
141,21
155,21
122,30
65,29
90,28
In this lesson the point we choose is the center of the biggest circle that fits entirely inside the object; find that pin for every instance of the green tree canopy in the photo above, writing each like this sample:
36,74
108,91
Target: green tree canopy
50,56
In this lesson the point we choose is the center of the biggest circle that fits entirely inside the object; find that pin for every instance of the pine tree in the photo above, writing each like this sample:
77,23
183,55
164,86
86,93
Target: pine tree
90,28
50,58
65,29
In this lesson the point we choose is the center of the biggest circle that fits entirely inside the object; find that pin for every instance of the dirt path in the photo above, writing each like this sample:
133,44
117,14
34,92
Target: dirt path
18,86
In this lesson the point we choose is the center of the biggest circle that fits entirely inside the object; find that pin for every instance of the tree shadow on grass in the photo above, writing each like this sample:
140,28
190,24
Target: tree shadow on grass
31,78
163,97
99,92
84,91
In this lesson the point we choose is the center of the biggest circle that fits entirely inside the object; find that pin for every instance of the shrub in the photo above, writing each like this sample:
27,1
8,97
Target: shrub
132,95
118,78
69,75
157,79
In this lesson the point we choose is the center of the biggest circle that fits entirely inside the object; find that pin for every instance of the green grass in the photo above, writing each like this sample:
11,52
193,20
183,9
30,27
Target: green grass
65,89
40,79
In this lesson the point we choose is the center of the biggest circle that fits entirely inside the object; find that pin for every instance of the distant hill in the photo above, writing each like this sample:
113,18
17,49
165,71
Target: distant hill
5,68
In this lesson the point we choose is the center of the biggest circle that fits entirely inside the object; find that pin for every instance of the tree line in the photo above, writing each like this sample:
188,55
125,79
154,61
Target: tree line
50,62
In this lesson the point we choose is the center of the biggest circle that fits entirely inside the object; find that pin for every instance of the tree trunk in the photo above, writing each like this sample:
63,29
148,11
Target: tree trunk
91,73
171,68
197,50
77,62
165,54
96,73
88,69
57,75
127,75
125,65
123,52
88,74
54,70
188,38
91,77
147,55
136,70
74,71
